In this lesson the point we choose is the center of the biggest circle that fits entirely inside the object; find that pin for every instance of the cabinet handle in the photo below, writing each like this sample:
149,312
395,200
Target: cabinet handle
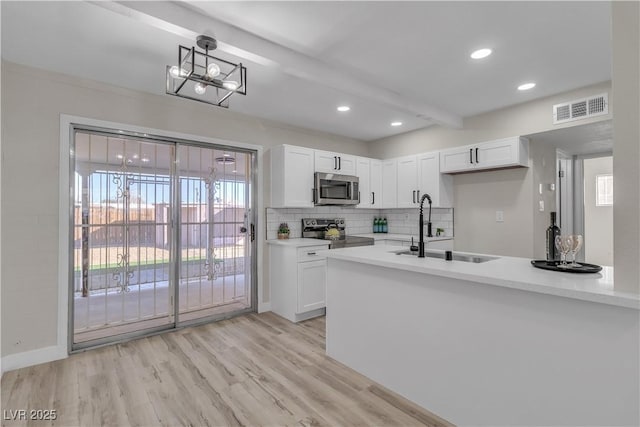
335,163
373,198
418,199
311,253
477,155
253,232
339,163
471,155
414,196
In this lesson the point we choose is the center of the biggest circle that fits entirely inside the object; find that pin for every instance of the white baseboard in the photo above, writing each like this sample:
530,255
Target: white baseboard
264,306
33,357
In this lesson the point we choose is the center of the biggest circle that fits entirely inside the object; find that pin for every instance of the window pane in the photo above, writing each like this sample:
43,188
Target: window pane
604,190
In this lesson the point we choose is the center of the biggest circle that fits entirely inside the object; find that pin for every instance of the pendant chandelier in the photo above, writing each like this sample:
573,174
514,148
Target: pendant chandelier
203,77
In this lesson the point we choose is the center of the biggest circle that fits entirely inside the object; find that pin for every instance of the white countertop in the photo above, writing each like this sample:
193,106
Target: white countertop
509,272
403,237
298,243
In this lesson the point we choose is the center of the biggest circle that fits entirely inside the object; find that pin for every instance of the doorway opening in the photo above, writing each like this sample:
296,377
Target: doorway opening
161,235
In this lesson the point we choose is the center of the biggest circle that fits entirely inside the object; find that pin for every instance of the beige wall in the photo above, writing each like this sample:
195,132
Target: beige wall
515,191
626,150
32,101
598,220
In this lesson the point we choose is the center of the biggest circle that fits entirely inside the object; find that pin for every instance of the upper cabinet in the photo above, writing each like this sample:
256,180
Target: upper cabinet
339,163
389,183
369,173
501,153
419,175
292,177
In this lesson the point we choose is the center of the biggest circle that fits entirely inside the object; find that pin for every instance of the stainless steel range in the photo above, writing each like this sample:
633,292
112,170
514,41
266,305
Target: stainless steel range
320,228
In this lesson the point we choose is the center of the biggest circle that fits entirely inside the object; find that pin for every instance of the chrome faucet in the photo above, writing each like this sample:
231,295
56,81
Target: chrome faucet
421,225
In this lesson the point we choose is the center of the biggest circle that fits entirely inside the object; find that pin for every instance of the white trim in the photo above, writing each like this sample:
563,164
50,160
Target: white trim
63,224
264,306
33,357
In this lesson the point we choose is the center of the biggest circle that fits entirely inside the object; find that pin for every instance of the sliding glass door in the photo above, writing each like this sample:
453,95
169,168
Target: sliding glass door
161,235
214,233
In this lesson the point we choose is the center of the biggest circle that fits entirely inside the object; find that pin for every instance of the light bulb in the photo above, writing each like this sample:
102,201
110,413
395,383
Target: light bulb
230,84
200,88
177,72
213,70
481,53
526,86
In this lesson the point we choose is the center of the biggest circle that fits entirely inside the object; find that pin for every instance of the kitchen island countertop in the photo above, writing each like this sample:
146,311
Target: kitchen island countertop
508,272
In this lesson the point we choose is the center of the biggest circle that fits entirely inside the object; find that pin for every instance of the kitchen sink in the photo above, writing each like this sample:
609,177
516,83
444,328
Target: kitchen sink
456,257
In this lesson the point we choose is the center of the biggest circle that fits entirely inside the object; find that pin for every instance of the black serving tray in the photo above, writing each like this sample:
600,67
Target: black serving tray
553,265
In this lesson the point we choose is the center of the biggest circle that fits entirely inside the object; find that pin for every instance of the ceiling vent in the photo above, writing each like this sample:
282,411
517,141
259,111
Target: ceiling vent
581,109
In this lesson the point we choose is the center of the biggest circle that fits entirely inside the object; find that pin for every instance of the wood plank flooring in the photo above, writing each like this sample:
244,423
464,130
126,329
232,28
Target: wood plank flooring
257,369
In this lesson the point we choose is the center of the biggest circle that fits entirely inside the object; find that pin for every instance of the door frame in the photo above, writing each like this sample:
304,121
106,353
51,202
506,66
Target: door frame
68,125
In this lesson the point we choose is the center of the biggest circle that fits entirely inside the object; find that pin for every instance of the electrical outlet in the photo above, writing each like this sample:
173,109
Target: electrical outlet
499,216
541,207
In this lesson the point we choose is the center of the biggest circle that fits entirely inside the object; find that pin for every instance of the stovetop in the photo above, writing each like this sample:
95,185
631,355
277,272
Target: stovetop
315,228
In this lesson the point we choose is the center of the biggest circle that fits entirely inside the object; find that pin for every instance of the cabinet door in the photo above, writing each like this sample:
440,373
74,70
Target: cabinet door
375,183
346,164
297,187
312,283
429,177
457,159
363,172
407,182
389,184
500,153
326,162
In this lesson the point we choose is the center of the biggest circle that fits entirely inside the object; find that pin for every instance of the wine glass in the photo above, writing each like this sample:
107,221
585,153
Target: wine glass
575,248
564,245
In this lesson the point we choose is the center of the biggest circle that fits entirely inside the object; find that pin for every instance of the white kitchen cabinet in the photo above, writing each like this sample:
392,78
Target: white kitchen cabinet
407,182
369,173
389,184
292,177
312,283
432,182
339,163
420,174
298,280
376,183
501,153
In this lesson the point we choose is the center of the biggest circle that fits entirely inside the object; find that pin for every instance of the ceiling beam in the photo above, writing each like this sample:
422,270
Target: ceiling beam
182,21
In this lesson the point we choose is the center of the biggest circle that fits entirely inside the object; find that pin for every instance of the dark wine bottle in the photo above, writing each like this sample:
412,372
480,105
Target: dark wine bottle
553,254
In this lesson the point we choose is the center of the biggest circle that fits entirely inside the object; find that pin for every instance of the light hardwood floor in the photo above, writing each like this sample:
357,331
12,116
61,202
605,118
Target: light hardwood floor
257,369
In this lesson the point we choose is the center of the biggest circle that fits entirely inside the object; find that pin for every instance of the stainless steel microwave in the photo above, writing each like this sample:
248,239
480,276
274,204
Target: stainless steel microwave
334,189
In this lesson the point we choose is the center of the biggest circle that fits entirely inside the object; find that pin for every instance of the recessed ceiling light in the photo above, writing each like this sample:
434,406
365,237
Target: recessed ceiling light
526,86
343,108
144,159
396,123
119,156
481,53
226,155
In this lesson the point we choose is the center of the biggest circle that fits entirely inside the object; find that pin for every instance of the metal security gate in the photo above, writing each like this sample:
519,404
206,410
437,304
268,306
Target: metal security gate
161,235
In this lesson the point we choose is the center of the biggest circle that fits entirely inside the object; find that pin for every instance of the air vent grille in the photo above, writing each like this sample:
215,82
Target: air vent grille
581,109
596,105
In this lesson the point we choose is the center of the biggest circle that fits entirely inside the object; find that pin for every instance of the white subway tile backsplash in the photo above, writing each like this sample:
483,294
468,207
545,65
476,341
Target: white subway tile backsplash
358,221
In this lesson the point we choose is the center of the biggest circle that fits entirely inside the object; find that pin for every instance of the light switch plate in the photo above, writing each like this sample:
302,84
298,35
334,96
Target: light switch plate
499,216
540,188
552,187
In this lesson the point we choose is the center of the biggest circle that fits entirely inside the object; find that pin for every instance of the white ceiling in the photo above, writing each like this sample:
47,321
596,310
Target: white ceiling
406,61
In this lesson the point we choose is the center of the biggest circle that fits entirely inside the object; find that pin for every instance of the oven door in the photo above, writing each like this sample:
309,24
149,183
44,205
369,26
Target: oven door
332,189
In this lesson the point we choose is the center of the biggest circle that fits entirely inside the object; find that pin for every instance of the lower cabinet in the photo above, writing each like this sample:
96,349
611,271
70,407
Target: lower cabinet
298,280
312,283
